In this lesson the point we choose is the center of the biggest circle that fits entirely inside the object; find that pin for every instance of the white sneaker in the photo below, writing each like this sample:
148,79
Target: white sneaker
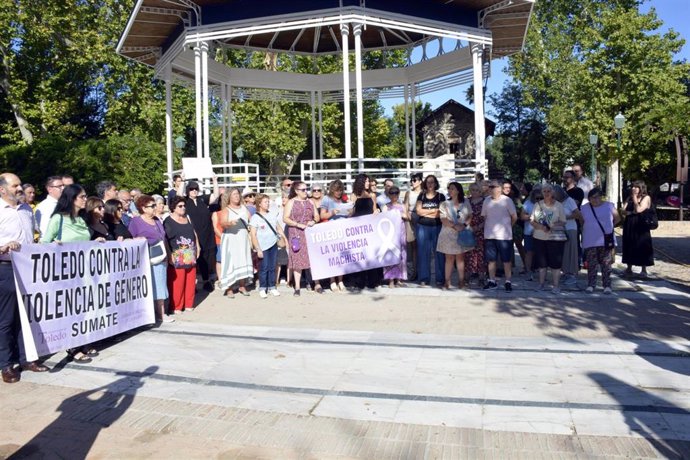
334,286
341,286
275,292
263,294
168,319
589,290
608,291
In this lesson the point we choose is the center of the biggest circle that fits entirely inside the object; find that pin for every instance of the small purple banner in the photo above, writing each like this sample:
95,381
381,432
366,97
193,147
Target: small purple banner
351,245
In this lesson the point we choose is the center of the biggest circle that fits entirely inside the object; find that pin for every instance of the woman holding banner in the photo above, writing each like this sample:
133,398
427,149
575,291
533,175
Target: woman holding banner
365,204
334,206
67,225
184,251
95,212
299,213
147,225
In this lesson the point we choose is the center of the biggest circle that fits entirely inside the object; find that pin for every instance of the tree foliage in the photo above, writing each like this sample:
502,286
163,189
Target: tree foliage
586,61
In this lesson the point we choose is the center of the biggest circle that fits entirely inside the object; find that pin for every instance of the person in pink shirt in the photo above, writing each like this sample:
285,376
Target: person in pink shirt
500,215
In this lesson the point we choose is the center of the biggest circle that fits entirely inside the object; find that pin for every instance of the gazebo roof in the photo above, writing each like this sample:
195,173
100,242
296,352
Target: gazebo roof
155,25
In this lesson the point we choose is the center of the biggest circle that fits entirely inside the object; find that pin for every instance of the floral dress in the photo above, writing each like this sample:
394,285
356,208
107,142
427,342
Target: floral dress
474,259
302,212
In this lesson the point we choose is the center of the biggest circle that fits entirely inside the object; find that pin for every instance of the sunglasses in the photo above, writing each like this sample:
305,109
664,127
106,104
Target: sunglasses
181,206
317,190
149,206
301,189
394,193
192,189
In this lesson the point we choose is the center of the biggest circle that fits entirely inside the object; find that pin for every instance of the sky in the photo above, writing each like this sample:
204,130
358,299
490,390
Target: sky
675,15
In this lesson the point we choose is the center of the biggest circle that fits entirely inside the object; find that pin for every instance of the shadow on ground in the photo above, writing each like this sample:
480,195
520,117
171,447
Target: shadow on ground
82,418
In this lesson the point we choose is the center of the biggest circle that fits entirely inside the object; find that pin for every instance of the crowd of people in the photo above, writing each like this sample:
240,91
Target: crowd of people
232,240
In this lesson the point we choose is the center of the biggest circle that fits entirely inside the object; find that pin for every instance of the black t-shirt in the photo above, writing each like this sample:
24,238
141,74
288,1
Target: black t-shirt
430,203
577,194
200,215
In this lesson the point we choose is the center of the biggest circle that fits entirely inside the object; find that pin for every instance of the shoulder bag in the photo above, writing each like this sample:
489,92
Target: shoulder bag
281,241
609,242
466,237
649,218
157,252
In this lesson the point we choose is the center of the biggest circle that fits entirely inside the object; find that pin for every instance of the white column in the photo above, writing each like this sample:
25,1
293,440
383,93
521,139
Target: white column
313,125
345,31
479,122
223,121
358,85
168,124
320,102
205,100
197,97
407,120
230,115
413,128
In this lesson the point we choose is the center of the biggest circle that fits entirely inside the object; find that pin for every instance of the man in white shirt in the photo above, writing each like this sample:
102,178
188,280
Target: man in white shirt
44,210
581,181
500,214
383,199
15,230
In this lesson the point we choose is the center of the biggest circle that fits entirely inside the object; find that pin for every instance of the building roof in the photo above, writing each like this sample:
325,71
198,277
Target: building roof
447,106
155,25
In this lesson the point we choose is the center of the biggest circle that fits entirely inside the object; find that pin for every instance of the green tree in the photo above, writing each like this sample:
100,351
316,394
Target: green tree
586,61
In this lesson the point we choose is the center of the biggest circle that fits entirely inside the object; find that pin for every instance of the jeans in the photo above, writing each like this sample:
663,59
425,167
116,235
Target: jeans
427,239
267,271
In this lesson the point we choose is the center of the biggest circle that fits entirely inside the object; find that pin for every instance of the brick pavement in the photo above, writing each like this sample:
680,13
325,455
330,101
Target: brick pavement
54,417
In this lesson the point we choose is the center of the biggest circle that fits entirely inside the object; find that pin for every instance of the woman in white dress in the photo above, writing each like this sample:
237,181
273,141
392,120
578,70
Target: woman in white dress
235,247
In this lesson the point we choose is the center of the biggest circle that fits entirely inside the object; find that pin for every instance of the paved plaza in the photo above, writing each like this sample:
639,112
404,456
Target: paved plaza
389,373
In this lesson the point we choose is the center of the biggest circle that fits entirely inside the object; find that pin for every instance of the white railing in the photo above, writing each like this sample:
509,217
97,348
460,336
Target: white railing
399,169
233,175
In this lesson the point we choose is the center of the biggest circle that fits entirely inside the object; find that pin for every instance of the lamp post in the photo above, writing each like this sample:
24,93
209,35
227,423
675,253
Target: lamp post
619,122
593,139
180,142
239,153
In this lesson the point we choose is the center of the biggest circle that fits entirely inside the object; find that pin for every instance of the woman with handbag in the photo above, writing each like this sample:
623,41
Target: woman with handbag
548,220
184,251
637,238
299,213
599,217
236,251
266,236
147,225
455,215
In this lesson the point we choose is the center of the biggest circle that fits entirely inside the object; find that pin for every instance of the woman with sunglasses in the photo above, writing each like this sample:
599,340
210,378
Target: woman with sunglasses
299,213
67,225
95,213
428,209
397,274
549,237
113,220
184,251
147,225
410,203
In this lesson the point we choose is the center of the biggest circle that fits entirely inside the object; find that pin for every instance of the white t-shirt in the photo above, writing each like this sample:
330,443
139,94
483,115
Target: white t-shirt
586,185
43,212
498,224
549,214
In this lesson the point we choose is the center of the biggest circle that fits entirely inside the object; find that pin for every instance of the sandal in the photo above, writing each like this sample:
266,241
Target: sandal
243,292
82,358
90,352
318,289
229,294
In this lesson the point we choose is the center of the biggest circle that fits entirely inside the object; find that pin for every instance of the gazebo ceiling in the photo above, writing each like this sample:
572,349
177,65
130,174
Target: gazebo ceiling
156,24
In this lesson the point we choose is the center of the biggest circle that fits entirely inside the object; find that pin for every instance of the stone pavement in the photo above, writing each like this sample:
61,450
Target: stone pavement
401,373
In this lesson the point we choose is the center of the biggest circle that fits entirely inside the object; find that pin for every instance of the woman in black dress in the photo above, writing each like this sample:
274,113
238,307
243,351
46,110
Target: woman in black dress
637,239
365,204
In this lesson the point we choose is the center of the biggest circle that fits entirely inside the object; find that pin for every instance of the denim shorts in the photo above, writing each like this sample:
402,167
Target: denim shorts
218,254
528,243
492,249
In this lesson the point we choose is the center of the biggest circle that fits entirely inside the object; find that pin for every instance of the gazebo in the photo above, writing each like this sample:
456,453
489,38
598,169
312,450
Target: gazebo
175,36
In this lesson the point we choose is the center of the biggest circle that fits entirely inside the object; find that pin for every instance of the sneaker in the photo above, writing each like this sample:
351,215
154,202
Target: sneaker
556,291
569,280
167,319
530,276
541,287
275,292
341,286
589,290
263,294
490,285
608,291
334,286
508,286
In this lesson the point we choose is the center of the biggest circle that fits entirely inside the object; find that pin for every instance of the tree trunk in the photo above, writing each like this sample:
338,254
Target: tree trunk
6,86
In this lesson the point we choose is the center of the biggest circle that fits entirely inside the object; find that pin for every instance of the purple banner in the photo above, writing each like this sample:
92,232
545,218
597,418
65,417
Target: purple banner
351,245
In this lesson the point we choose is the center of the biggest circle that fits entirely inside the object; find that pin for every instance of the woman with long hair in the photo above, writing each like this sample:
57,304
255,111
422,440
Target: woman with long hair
67,225
265,235
95,213
184,251
236,253
534,197
364,205
299,213
455,216
397,274
429,211
410,203
113,220
147,225
637,238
